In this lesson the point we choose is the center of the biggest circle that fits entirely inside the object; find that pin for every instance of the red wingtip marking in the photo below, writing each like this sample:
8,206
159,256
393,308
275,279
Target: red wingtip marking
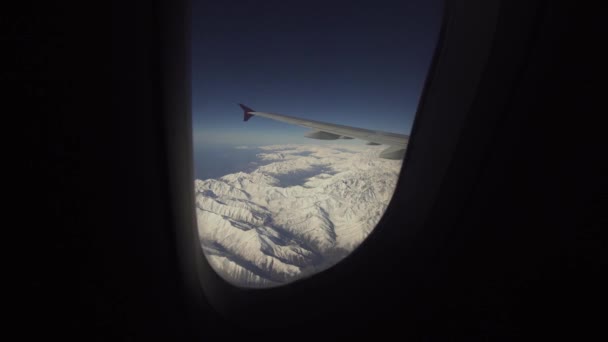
246,112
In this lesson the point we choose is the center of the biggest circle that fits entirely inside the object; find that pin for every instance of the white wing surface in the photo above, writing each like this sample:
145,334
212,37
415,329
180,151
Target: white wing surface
329,131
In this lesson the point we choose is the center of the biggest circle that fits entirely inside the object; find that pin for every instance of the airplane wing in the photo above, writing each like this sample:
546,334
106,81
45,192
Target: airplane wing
329,131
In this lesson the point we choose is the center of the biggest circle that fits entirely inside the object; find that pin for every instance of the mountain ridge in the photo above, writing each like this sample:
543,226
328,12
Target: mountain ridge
301,212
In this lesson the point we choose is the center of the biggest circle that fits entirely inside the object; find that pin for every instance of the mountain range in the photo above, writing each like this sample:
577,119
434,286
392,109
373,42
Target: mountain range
302,209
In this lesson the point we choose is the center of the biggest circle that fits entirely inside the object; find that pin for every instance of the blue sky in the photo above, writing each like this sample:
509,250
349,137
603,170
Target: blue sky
361,64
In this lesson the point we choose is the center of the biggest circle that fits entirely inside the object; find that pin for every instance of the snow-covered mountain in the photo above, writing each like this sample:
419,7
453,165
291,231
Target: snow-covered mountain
303,210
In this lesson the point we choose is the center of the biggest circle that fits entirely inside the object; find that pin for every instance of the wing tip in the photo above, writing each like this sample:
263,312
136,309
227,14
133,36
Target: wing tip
246,112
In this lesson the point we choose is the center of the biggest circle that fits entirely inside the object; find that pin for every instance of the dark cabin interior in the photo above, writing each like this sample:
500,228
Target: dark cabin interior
511,247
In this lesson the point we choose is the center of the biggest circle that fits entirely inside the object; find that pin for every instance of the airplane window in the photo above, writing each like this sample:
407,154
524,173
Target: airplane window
301,119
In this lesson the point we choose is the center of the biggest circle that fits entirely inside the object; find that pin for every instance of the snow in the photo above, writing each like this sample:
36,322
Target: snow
301,212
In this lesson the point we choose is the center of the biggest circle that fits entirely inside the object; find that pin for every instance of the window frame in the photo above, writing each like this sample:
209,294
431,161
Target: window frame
465,45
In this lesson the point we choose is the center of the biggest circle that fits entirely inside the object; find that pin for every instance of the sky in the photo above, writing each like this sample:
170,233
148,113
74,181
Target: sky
355,63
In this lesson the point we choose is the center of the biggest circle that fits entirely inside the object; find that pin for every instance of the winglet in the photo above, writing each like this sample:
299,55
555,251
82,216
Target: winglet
246,112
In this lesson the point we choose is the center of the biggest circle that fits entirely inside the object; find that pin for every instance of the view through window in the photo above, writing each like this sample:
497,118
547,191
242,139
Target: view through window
301,116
